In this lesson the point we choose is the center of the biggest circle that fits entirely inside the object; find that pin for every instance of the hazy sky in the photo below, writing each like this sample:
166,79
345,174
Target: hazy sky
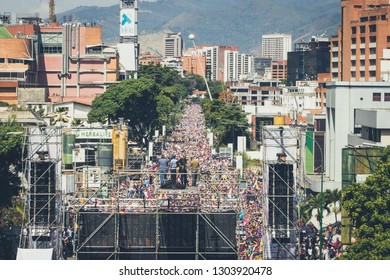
42,6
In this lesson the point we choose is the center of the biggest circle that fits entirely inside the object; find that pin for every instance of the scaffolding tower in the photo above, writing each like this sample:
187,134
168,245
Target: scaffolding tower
42,188
281,191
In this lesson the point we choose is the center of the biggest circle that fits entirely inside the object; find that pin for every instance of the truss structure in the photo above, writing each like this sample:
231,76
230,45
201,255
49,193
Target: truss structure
281,191
42,187
128,216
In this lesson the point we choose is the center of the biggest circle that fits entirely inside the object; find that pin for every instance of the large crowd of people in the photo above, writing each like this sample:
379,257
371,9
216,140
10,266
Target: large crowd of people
211,184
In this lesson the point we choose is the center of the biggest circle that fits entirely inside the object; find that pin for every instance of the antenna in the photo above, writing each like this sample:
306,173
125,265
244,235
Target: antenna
52,14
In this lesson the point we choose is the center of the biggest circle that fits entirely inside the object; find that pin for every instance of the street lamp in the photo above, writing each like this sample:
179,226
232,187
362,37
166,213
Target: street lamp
192,38
322,190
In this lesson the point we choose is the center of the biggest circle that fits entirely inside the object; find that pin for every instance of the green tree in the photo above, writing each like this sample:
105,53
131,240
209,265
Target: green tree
10,159
333,200
368,205
145,103
133,100
227,120
313,203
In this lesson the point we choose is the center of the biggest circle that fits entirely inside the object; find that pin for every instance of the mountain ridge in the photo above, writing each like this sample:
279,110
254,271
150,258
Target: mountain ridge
221,22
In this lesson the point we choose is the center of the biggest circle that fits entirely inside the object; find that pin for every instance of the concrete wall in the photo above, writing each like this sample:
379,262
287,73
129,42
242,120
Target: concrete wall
343,98
32,95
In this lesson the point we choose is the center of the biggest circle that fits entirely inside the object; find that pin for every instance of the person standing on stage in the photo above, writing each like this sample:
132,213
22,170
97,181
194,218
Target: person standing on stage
163,169
183,171
194,170
173,166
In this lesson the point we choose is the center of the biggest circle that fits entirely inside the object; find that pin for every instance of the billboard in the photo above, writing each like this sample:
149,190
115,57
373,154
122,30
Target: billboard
127,23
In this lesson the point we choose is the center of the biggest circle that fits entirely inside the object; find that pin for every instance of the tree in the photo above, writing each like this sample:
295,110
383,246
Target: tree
133,100
10,159
144,103
227,120
313,203
333,200
368,205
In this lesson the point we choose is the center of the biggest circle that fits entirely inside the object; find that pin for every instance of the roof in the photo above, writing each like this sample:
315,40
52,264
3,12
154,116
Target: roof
70,102
4,33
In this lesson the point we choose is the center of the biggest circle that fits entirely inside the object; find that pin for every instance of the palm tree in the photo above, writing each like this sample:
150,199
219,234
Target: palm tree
313,202
333,200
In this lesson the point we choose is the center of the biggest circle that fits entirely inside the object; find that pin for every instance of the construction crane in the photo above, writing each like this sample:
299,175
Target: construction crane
52,14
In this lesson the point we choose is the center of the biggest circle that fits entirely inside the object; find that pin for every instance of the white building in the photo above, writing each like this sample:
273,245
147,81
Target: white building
354,108
237,67
276,46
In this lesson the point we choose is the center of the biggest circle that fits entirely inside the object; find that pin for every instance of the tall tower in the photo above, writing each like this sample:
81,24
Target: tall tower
128,46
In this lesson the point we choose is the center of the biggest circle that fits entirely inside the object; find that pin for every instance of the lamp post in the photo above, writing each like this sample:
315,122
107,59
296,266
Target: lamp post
322,190
192,38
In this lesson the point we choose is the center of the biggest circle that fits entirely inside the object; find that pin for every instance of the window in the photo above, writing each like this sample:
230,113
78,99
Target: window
372,62
363,19
362,74
2,60
353,41
372,28
376,96
372,18
363,40
353,74
362,51
388,39
372,50
353,62
372,74
353,29
362,63
362,29
353,52
372,39
387,96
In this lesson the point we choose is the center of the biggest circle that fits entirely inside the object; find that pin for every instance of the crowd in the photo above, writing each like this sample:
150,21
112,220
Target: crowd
211,184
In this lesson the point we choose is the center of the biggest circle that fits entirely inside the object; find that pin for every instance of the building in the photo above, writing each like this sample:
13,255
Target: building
276,46
74,64
279,70
173,45
261,64
148,58
356,114
194,64
69,61
17,62
363,36
308,60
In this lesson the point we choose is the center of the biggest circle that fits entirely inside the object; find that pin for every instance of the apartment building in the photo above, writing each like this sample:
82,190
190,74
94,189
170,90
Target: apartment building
363,37
276,46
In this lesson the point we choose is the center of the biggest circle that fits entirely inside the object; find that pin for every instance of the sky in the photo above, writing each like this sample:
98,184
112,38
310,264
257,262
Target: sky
42,6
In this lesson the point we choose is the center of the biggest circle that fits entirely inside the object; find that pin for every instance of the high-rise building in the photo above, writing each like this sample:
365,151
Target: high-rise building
173,45
308,60
276,46
363,36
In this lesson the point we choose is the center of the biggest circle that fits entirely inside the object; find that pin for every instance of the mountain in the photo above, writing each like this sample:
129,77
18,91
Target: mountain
221,22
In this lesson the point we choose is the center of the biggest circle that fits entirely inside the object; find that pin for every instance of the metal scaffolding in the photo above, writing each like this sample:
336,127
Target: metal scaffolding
127,217
281,191
42,188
